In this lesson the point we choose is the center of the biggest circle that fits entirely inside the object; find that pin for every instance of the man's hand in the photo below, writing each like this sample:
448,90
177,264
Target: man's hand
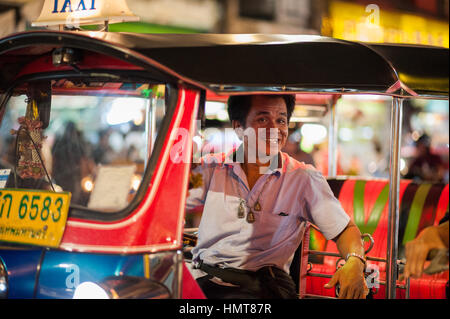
417,250
351,280
351,276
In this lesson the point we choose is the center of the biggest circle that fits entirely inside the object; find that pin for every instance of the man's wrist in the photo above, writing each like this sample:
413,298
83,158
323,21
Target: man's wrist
355,256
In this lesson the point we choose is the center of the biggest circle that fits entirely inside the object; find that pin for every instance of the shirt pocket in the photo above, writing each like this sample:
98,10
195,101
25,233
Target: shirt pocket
280,225
281,216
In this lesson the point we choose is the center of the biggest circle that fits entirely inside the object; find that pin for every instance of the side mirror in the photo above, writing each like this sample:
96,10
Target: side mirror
41,93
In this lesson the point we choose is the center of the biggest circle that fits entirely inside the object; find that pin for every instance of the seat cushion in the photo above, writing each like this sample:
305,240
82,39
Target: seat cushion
366,202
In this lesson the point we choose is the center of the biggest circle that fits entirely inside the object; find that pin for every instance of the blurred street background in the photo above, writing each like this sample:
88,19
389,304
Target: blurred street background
407,21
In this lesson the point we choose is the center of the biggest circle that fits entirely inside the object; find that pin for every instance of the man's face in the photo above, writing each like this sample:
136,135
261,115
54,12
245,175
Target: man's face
268,120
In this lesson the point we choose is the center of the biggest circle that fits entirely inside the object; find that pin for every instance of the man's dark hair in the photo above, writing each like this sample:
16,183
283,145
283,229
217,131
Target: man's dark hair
239,106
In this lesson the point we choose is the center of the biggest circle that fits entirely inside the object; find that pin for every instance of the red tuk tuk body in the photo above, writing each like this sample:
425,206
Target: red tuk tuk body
151,227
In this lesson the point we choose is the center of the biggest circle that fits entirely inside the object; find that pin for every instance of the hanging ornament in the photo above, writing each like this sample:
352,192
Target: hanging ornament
29,143
241,210
250,217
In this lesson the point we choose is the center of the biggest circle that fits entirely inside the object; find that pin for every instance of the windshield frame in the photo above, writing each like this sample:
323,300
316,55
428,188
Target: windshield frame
171,98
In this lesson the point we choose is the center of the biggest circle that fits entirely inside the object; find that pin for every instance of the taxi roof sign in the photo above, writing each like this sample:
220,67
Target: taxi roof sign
77,12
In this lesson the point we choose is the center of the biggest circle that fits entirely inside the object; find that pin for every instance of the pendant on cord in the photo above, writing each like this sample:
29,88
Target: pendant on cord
250,217
241,210
257,207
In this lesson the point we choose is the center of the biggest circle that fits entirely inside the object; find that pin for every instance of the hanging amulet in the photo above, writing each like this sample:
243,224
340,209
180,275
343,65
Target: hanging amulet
250,217
241,210
257,207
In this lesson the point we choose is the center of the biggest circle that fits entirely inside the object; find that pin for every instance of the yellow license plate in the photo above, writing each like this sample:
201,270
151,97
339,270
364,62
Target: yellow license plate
33,217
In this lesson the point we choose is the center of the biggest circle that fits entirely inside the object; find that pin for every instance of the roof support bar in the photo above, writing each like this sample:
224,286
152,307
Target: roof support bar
394,200
332,140
150,126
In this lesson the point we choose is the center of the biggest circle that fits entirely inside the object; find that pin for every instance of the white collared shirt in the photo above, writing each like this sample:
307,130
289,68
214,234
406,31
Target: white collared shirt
289,196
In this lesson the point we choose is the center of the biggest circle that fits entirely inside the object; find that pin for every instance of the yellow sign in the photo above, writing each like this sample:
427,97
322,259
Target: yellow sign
33,217
370,23
77,12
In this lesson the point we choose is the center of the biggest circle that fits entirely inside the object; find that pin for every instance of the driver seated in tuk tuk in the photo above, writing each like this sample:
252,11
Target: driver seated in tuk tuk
255,209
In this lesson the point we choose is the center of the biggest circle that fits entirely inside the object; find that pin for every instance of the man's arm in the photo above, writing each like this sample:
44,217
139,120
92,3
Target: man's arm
351,275
325,211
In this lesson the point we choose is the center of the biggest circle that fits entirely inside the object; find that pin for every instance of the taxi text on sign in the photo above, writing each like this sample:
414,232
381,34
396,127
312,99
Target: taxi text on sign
59,12
33,217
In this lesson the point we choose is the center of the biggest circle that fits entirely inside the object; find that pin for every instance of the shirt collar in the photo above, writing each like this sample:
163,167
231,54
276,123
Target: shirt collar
231,159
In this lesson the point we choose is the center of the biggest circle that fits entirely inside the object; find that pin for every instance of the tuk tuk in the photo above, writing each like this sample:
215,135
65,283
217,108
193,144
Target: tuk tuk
80,218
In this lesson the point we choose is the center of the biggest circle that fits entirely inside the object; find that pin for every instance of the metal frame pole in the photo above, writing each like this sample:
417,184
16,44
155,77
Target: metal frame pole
303,260
332,141
150,123
394,198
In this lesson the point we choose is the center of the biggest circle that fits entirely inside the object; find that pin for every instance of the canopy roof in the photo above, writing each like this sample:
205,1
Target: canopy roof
238,63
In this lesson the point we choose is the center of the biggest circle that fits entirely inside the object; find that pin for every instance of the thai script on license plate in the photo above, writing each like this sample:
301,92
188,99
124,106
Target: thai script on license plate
33,217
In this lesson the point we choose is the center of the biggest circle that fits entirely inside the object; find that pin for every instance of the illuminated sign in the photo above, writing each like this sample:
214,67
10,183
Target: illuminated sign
355,22
77,12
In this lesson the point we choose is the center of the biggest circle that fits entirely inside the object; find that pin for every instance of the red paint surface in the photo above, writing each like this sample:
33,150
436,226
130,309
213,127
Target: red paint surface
191,290
89,61
159,225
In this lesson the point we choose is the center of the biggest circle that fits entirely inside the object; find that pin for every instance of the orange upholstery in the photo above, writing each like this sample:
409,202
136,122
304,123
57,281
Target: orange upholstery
366,202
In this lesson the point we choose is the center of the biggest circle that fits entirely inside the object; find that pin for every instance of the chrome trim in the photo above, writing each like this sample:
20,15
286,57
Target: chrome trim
332,140
150,126
245,90
372,242
167,269
394,197
130,287
148,130
4,284
178,284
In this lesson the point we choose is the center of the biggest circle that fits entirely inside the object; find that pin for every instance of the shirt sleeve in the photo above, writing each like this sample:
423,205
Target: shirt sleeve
322,207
